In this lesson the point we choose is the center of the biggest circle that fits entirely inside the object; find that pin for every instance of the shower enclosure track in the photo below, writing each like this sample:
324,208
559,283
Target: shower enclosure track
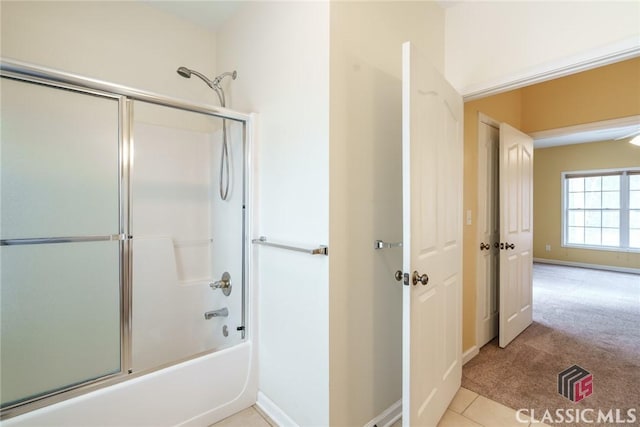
24,71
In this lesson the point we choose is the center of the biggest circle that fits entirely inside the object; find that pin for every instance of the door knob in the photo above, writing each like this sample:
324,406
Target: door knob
510,245
424,279
484,246
398,275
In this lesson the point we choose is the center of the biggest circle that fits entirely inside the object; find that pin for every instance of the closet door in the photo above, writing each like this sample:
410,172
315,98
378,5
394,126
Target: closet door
61,240
516,233
488,232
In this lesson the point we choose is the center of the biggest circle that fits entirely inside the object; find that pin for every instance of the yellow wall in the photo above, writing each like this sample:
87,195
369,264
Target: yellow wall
547,203
603,93
600,94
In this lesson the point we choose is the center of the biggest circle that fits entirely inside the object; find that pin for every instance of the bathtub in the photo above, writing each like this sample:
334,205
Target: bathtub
198,392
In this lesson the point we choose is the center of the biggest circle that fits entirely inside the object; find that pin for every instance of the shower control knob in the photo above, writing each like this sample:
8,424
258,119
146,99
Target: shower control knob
224,283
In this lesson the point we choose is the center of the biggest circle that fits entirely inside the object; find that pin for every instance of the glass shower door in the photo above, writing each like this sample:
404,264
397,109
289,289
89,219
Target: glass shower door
185,236
61,246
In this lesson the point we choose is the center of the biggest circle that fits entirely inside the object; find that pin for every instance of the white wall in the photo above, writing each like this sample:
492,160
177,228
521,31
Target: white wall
491,43
366,197
281,53
122,42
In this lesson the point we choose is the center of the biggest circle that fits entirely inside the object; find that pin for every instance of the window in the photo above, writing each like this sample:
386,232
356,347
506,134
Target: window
601,209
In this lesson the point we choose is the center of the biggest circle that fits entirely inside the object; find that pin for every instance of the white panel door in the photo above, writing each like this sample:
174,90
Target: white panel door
516,233
488,233
432,236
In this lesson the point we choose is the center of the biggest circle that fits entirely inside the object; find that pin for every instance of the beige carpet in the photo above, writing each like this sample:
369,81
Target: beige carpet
581,317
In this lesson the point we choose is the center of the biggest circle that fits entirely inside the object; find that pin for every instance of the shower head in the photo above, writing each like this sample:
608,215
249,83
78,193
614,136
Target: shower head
184,72
213,84
187,72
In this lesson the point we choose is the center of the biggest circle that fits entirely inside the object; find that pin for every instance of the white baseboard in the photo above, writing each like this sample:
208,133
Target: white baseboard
390,415
470,354
585,265
274,412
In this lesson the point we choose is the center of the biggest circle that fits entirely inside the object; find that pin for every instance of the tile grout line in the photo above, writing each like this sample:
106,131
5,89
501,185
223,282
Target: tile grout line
470,403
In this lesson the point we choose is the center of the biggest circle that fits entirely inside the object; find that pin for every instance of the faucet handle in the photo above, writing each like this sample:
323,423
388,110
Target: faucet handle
224,283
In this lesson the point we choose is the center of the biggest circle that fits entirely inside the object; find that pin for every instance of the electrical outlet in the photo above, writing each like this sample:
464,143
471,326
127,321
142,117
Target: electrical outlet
547,247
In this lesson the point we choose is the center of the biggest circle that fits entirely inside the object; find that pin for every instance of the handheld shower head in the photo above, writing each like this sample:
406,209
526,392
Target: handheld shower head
184,72
213,84
187,72
224,158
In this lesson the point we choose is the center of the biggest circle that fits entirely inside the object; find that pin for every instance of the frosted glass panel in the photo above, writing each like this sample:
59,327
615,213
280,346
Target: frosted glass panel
59,162
60,303
60,313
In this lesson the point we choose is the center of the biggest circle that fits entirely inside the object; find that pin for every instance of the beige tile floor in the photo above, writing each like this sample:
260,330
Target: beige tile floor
250,417
467,409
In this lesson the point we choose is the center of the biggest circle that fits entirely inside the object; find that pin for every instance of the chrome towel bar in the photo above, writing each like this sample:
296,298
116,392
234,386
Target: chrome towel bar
321,250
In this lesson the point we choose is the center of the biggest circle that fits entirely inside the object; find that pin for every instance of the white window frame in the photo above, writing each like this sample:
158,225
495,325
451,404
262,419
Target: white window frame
624,207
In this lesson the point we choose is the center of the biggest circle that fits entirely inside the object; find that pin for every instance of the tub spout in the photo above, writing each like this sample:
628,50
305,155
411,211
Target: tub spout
223,312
